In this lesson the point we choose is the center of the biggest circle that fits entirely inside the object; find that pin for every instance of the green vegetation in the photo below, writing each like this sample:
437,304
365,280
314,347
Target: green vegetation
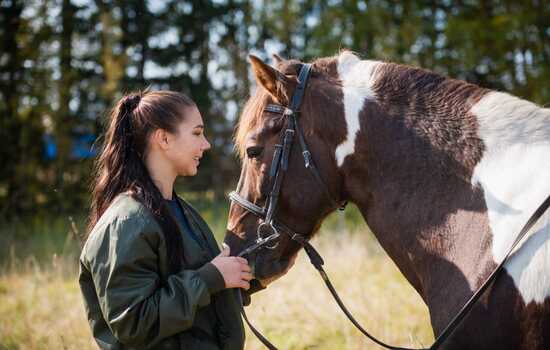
41,238
64,63
41,308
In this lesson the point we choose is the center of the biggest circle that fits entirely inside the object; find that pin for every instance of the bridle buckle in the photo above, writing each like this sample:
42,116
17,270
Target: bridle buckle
266,232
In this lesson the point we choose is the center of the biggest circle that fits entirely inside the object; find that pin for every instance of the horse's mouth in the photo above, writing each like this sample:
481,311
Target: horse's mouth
267,270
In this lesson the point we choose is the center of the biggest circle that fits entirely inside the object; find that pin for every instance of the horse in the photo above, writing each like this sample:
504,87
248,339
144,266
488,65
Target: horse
444,172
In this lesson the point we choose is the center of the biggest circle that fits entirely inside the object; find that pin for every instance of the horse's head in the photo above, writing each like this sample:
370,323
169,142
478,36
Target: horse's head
303,200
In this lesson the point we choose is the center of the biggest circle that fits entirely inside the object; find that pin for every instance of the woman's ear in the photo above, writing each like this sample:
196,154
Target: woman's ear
270,78
160,138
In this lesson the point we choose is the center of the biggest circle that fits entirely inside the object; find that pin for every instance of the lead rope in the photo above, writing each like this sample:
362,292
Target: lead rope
317,261
470,303
258,335
315,257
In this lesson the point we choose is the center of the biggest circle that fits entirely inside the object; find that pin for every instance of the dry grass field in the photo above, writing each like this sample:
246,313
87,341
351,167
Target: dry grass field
41,308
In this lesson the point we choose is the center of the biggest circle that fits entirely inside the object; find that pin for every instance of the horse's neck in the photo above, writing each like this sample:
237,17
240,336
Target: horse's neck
425,201
424,212
438,239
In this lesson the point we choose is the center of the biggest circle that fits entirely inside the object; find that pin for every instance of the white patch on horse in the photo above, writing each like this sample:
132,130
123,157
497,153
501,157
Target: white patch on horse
514,174
357,79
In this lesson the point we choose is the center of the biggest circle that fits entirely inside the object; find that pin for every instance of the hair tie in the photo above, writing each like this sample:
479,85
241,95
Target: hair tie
127,106
131,102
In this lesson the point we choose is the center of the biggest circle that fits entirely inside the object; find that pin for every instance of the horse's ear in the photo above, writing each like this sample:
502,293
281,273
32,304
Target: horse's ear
277,58
268,77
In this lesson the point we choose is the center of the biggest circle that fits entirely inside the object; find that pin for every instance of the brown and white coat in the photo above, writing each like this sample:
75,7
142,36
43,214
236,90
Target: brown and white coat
445,174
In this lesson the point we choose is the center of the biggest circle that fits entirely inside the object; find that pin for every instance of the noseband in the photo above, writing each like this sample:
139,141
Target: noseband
268,232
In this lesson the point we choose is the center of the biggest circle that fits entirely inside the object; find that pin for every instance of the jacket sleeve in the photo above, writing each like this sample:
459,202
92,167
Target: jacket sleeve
139,309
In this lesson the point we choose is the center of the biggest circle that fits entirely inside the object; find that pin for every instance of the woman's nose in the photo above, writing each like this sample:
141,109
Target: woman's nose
206,145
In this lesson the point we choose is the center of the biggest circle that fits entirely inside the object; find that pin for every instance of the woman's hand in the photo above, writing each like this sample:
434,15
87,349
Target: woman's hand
235,270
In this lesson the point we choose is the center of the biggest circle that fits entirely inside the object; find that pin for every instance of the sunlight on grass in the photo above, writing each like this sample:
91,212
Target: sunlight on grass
298,312
41,306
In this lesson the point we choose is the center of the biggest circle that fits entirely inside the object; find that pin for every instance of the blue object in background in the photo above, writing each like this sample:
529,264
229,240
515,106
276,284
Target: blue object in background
50,147
81,146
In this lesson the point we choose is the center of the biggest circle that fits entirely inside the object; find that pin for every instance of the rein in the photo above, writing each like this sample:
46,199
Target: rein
269,231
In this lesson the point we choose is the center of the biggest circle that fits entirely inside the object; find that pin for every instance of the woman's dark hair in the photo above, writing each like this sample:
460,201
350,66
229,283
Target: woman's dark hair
120,167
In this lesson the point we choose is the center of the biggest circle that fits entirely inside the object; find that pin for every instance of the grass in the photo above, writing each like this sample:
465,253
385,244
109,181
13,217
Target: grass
41,307
297,312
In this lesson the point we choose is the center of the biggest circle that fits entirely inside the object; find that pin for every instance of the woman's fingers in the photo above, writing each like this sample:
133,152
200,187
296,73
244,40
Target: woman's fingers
226,251
245,268
241,260
235,270
247,276
244,285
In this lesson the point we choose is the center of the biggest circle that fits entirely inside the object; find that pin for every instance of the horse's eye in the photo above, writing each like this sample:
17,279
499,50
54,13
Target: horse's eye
254,151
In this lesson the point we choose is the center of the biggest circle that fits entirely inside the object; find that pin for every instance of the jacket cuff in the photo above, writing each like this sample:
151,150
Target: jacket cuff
212,277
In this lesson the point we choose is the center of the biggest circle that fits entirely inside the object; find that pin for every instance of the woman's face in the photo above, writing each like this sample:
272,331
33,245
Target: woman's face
188,144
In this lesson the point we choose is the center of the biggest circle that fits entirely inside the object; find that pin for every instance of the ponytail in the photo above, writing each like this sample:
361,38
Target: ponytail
121,168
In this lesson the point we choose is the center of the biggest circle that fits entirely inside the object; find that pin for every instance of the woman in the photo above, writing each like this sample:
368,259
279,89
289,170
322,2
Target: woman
151,273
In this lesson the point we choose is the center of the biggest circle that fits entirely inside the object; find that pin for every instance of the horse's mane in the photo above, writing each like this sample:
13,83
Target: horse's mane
427,87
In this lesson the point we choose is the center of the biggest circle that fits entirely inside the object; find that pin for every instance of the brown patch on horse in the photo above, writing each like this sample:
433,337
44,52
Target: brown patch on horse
435,108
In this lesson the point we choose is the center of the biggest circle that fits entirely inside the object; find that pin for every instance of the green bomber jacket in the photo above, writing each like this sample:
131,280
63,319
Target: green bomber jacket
131,300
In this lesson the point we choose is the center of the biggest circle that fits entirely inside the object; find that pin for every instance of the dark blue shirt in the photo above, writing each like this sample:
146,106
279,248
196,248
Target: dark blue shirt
177,210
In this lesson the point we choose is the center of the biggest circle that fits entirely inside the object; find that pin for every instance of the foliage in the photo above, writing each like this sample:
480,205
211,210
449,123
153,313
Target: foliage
63,63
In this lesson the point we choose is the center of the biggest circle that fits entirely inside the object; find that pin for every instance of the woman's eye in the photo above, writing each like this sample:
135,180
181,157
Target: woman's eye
254,151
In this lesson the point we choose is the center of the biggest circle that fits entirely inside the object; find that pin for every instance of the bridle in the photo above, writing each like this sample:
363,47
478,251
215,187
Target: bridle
269,230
